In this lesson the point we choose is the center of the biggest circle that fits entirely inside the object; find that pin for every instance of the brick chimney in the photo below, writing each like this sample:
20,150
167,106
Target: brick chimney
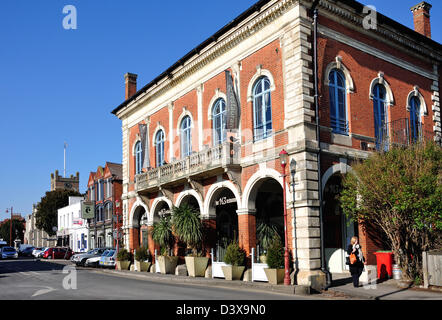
131,84
421,15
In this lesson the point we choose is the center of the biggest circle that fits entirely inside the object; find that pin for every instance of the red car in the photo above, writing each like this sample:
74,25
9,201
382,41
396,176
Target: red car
58,253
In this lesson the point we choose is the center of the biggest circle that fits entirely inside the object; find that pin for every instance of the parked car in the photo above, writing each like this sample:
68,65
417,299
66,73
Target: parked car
80,259
94,261
26,252
40,254
37,251
105,261
57,253
9,253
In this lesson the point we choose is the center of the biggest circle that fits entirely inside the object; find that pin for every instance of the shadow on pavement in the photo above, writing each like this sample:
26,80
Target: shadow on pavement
25,265
341,282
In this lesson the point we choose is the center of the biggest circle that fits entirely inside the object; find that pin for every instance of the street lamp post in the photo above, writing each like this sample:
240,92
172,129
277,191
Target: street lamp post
117,210
10,228
293,172
283,156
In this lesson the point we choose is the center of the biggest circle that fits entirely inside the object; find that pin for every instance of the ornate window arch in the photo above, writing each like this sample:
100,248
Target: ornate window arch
415,93
159,140
338,101
219,121
262,108
183,114
259,73
389,97
218,95
417,109
380,106
138,151
338,65
186,136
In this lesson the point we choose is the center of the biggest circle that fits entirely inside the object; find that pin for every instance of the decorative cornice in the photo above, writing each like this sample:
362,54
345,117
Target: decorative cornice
383,33
230,40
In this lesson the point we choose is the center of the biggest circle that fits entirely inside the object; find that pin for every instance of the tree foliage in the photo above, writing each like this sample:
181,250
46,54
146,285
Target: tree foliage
400,192
18,229
46,216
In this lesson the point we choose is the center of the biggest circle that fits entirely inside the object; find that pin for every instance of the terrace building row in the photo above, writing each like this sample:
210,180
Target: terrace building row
208,131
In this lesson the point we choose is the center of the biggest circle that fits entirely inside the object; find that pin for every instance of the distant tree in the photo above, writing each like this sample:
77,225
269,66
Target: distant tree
18,229
46,216
400,193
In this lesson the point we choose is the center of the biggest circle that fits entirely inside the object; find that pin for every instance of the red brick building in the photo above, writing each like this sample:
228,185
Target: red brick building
378,84
104,189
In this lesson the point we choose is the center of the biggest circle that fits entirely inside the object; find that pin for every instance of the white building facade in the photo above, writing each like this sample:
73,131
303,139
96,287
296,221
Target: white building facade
72,229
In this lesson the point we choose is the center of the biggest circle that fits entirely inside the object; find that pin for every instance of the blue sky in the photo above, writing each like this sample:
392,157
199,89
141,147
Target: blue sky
60,85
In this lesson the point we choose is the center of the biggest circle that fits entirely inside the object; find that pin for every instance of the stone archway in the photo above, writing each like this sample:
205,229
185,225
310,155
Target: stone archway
139,227
223,225
269,213
338,229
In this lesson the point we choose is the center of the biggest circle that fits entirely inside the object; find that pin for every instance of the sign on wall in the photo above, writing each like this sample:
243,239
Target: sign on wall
232,105
87,210
223,201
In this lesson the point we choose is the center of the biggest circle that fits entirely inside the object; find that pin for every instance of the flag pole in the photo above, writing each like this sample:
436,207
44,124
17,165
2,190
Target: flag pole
64,160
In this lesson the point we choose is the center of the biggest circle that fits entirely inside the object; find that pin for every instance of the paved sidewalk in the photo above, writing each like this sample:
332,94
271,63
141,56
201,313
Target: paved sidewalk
386,290
342,287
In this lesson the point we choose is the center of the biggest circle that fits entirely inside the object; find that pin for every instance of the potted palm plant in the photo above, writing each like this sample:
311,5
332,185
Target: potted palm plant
123,259
163,235
235,258
188,228
142,257
266,233
275,262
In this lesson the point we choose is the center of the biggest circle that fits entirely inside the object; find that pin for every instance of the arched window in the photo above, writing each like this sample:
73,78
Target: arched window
219,122
380,113
159,148
186,136
138,162
415,119
262,109
109,211
338,105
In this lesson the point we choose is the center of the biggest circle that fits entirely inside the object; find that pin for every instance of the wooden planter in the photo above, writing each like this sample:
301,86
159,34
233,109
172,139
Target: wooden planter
233,272
196,266
123,265
142,265
275,276
167,264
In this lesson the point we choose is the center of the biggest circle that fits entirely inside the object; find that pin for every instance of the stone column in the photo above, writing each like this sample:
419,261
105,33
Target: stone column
303,147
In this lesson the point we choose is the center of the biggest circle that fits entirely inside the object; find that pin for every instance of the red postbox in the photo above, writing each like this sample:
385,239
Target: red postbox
384,260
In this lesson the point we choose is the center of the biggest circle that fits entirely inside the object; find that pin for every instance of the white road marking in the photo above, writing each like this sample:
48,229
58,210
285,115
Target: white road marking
43,291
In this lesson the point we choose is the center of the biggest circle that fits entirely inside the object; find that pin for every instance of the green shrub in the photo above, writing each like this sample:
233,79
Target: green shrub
123,255
275,255
234,255
142,254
